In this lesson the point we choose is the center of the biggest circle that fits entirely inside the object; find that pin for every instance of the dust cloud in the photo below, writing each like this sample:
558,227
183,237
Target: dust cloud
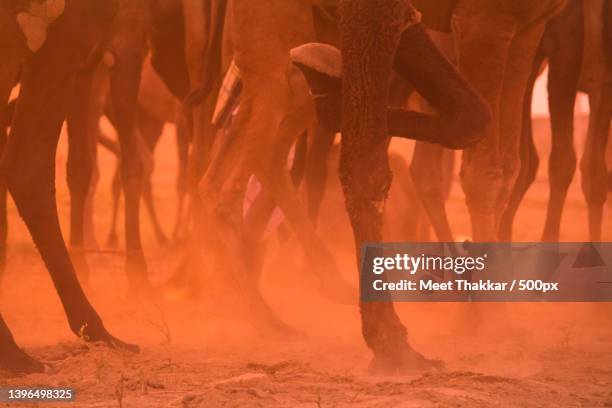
203,352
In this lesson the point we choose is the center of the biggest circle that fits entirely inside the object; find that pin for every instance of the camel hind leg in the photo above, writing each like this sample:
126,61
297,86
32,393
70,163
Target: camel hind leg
529,162
321,142
151,129
593,162
224,217
275,178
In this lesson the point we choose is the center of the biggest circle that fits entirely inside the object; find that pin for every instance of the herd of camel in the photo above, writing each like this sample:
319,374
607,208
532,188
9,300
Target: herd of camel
291,73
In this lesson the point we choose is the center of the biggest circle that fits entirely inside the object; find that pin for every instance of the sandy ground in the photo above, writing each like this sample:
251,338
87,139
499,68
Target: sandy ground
204,354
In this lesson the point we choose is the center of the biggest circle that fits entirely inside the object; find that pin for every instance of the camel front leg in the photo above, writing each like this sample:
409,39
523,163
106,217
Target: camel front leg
369,34
8,75
28,165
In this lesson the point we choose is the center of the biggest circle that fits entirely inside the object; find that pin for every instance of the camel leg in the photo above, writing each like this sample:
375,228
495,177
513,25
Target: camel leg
321,142
151,129
258,215
427,175
593,162
274,176
89,229
98,99
79,166
521,56
364,167
113,238
182,143
257,218
529,160
28,166
200,34
223,204
8,75
427,171
562,87
124,84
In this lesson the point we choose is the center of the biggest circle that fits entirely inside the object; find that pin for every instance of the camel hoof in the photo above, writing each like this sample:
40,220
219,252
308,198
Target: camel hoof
17,362
407,362
121,345
100,334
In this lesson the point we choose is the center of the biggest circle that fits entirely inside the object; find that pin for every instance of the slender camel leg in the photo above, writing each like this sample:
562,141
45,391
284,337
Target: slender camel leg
80,163
321,142
28,165
257,218
182,143
562,87
8,75
427,175
113,238
225,219
364,167
124,84
98,102
565,64
521,56
151,129
529,161
275,178
593,162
